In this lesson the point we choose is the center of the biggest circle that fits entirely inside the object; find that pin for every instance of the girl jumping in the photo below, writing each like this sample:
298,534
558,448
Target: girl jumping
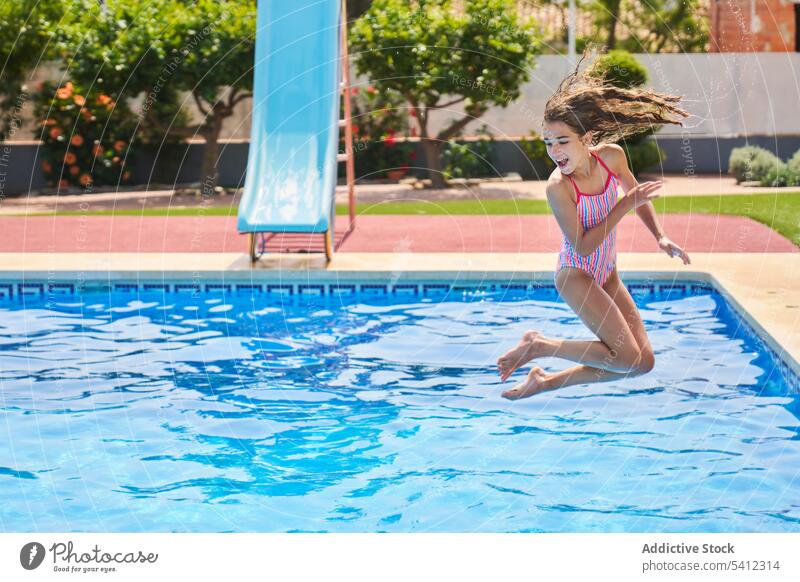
581,120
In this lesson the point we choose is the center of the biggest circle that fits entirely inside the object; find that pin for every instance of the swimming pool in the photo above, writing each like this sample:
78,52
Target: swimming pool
364,406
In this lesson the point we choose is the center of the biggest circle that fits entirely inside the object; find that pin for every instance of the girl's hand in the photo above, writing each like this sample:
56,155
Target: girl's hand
673,250
643,193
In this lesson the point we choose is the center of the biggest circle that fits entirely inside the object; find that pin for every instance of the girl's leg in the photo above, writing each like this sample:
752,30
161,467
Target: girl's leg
617,350
623,300
539,381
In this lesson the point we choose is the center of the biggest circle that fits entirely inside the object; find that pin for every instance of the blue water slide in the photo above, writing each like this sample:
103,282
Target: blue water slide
292,166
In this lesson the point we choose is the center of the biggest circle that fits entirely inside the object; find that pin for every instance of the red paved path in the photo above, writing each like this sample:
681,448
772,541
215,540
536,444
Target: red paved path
529,233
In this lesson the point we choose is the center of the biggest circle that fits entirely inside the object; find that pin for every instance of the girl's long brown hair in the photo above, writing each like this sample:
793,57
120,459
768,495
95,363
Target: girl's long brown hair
587,103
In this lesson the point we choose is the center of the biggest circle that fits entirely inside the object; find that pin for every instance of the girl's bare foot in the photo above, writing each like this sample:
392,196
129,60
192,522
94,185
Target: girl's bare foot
523,353
535,382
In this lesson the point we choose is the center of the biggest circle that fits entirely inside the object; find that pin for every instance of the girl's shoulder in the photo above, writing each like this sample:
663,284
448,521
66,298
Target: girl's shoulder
559,185
613,156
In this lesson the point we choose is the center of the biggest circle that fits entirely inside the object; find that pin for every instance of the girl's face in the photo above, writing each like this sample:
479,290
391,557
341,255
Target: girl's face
564,146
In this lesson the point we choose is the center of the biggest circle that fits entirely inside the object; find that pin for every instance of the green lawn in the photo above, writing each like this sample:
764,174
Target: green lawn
779,211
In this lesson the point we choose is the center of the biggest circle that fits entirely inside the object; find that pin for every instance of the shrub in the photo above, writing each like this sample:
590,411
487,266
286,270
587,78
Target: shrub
794,162
534,149
781,175
85,138
643,154
752,163
469,159
620,69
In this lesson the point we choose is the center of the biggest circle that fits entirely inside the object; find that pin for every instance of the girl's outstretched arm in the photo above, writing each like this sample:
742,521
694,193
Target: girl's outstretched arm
646,211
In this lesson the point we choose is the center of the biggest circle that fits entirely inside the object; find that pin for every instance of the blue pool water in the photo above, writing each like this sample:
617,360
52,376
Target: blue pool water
147,410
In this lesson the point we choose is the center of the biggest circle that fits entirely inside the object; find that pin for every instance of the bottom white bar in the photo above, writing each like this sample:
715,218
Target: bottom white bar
400,557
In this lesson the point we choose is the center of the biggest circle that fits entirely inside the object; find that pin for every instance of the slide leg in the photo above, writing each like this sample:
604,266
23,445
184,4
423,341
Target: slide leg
253,256
329,244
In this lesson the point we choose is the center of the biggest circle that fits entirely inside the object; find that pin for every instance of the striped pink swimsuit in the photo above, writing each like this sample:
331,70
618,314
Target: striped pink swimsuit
592,209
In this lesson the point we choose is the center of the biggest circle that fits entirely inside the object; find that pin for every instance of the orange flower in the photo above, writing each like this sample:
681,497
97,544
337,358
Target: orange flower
110,105
55,132
86,114
104,99
354,90
85,179
47,122
70,158
115,159
126,175
119,145
98,150
63,184
79,100
47,167
77,140
65,92
74,170
370,89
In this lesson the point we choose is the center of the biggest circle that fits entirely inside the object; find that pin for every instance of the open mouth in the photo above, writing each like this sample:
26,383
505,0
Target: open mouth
562,163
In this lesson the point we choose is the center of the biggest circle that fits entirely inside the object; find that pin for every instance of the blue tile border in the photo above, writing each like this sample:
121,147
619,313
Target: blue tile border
339,289
407,288
126,287
641,288
64,288
155,287
10,289
216,287
183,287
374,289
311,290
24,289
280,289
436,287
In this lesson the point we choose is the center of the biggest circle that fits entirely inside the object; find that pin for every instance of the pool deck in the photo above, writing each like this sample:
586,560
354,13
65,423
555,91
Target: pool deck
764,286
377,233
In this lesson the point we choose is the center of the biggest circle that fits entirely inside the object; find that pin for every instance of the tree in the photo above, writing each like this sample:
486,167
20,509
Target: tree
158,47
606,14
25,31
664,26
438,53
652,26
